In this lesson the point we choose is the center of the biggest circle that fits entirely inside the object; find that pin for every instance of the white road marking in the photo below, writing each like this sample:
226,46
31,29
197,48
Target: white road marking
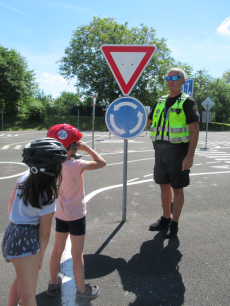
133,180
15,143
15,175
128,152
95,192
148,175
130,161
17,147
5,147
213,162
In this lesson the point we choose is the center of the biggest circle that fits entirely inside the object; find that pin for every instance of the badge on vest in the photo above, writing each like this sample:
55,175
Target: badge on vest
177,110
157,112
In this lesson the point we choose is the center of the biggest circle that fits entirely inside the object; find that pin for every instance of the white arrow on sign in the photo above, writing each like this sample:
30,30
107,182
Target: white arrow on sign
140,116
208,103
116,107
121,131
187,87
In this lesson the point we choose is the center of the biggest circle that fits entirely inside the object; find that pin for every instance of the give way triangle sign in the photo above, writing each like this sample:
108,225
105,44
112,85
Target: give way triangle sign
127,62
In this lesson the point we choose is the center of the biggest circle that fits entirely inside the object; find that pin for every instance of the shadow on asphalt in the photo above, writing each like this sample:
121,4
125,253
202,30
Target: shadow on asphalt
152,275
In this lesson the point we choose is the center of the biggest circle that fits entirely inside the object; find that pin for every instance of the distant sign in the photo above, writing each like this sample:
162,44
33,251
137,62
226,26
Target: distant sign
208,103
188,86
206,118
94,101
126,117
147,109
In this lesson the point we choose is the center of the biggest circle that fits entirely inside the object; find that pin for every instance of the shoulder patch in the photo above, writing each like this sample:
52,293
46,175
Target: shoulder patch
195,107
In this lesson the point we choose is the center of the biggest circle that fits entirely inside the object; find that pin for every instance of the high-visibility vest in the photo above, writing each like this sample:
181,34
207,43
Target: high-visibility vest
170,126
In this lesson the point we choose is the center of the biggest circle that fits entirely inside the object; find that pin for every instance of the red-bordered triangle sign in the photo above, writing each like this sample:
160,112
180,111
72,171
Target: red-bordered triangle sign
127,62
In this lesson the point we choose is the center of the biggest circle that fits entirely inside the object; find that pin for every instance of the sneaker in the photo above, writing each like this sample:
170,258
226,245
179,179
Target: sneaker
53,289
90,294
160,224
171,230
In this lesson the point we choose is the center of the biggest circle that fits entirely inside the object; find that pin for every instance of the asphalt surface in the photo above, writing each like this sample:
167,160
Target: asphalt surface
132,265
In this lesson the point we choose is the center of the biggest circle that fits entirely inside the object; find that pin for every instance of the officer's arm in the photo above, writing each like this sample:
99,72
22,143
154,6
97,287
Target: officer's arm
149,122
194,135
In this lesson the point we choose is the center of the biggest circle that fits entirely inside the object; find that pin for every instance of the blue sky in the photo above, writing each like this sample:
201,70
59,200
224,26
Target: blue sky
197,32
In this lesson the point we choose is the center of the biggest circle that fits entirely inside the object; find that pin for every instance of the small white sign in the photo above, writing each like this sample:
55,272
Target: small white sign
208,103
147,109
206,118
94,100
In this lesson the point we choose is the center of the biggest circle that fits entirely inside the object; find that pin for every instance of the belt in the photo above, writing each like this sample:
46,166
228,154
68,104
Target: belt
163,146
169,146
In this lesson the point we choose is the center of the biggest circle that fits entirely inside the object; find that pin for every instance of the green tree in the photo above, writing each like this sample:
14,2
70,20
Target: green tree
35,110
217,90
83,59
47,101
226,76
220,95
17,82
66,100
202,85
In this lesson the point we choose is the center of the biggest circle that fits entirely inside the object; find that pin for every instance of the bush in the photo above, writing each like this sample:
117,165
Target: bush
86,110
36,110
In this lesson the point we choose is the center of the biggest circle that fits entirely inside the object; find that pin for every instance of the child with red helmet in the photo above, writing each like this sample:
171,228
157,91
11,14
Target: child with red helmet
71,211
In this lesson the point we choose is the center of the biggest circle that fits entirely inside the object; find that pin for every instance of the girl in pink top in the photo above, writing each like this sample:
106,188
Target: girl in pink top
71,211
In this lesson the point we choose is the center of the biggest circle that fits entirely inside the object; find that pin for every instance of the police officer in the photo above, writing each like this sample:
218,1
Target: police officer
174,132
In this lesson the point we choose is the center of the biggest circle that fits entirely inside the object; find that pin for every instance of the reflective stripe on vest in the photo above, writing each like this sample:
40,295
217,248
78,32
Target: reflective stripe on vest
173,128
171,139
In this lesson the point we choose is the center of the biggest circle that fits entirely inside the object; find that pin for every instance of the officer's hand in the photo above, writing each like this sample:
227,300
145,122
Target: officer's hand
187,163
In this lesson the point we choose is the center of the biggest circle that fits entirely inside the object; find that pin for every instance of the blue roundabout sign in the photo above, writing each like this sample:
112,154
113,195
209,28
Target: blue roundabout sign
126,117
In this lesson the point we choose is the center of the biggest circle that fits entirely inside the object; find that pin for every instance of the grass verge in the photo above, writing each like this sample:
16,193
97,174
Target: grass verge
22,123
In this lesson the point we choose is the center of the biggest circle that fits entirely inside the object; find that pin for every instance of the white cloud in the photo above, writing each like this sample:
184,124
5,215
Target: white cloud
224,28
54,79
54,84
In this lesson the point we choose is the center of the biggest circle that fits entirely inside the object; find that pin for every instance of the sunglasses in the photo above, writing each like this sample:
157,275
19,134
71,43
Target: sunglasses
174,78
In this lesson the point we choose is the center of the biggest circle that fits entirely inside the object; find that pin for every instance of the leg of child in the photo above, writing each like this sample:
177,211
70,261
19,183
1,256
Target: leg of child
59,246
78,261
14,298
27,269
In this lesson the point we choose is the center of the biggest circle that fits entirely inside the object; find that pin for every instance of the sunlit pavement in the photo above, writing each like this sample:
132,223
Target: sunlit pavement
131,265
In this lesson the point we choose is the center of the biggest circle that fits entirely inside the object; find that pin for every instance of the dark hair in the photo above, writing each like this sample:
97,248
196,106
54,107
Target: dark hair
69,147
40,189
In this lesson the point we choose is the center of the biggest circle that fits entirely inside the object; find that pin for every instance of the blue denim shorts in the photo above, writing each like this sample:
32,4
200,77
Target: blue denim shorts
20,240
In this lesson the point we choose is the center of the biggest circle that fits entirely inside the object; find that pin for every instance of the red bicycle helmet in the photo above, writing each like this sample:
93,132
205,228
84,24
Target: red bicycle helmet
65,133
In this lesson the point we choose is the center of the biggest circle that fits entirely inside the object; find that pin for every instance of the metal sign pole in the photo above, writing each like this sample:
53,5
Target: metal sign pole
117,119
78,118
125,180
206,128
2,118
93,128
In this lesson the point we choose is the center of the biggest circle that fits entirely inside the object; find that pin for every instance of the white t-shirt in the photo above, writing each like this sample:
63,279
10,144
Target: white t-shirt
22,214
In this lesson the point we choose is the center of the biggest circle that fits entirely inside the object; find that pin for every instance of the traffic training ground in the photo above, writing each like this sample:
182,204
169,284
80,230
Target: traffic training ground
131,265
